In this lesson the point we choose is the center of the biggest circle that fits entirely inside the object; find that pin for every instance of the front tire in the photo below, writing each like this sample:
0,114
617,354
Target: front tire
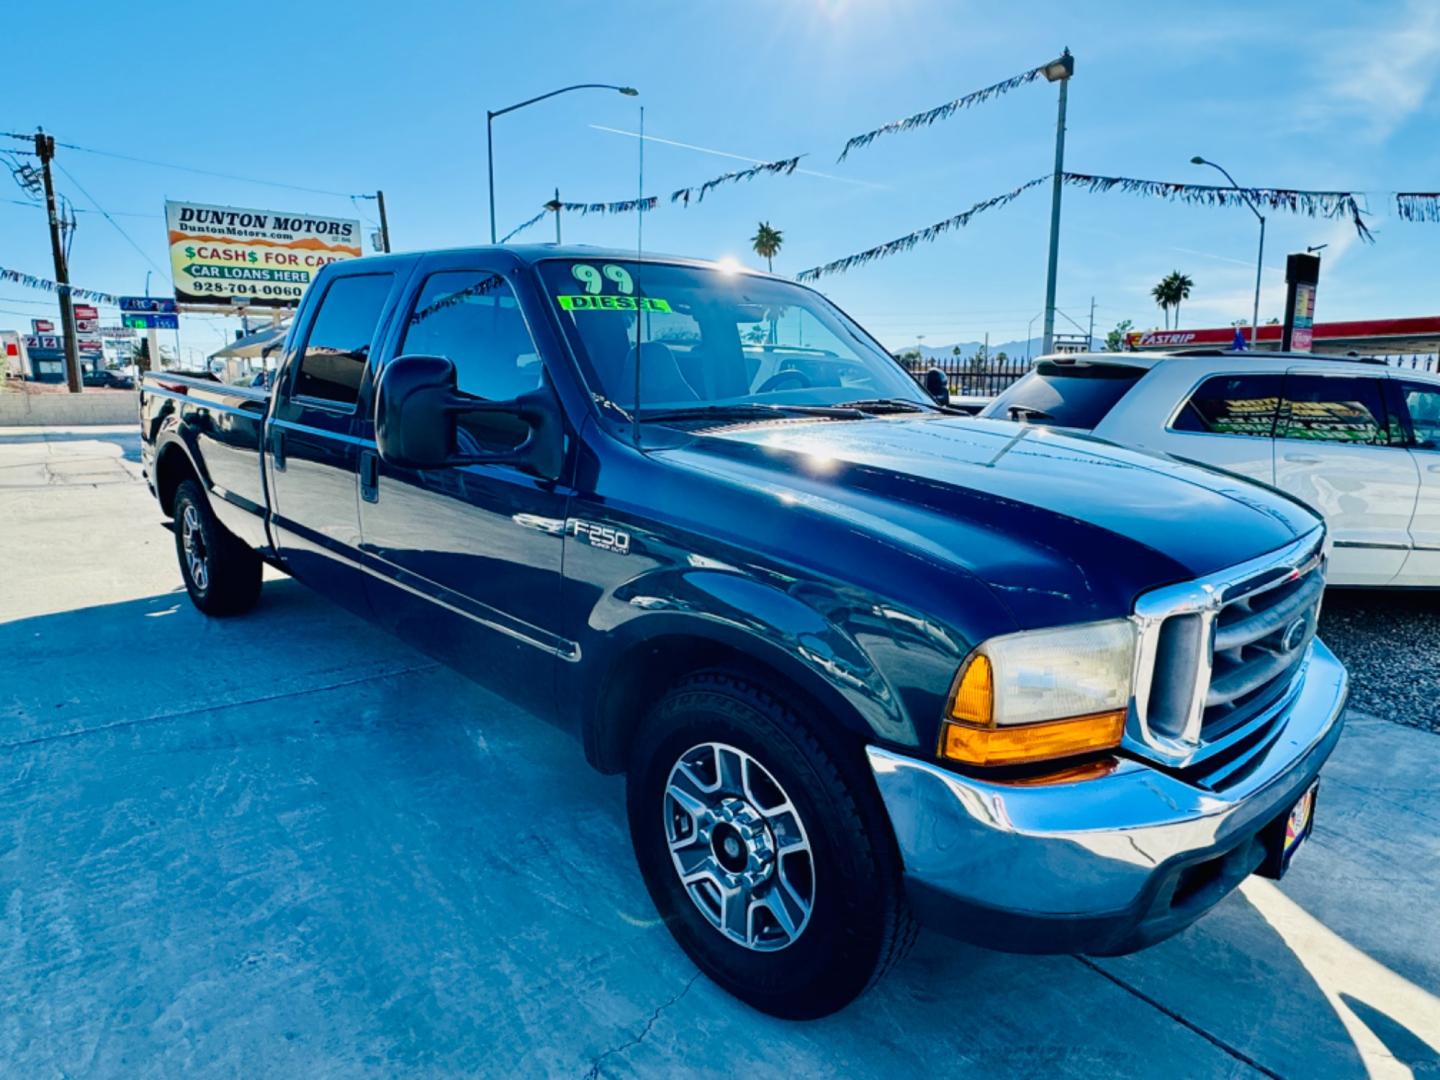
221,574
767,853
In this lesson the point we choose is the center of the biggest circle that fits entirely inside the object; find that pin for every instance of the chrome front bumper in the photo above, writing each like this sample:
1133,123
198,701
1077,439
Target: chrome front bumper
1104,865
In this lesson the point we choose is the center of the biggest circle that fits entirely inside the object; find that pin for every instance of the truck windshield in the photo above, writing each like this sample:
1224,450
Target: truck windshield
704,340
1072,395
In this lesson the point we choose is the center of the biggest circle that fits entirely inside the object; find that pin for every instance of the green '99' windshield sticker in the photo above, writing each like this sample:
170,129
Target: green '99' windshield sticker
613,303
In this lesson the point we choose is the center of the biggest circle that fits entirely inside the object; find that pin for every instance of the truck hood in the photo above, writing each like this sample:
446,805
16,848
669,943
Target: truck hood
1036,514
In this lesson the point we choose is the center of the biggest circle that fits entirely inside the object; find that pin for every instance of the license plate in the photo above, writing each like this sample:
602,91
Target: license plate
1297,826
1284,837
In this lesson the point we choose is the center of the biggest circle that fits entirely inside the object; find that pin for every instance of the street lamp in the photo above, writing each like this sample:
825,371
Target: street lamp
628,91
1259,259
1058,70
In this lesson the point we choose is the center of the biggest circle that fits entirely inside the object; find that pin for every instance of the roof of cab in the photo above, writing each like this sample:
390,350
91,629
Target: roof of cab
534,253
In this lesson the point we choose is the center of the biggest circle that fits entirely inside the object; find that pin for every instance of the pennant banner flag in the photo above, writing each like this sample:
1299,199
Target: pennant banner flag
786,167
521,228
905,243
1418,205
30,281
1327,204
943,112
625,206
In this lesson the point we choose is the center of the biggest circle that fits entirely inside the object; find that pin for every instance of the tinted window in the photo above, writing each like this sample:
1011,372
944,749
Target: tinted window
471,318
1422,401
1076,395
339,343
1337,409
1233,405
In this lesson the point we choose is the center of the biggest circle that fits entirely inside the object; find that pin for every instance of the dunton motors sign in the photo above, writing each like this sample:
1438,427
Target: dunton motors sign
264,258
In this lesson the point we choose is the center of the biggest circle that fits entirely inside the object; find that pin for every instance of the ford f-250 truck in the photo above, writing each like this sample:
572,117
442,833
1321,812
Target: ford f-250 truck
864,661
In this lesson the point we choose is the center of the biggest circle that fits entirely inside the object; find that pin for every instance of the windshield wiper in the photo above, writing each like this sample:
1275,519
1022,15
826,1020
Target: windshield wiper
1026,412
887,404
749,410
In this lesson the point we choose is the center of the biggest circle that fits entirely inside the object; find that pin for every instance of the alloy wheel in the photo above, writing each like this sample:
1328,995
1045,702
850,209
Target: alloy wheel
739,847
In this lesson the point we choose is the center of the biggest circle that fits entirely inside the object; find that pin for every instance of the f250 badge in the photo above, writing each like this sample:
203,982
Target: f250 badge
601,536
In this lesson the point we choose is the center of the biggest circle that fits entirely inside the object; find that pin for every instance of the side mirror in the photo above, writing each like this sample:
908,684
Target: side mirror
417,404
937,385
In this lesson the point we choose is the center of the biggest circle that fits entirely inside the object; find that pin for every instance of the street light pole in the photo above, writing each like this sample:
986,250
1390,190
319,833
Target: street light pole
490,115
1259,258
1056,71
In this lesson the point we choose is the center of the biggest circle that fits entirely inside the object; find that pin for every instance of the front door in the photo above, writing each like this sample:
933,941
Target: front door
1336,450
313,450
466,560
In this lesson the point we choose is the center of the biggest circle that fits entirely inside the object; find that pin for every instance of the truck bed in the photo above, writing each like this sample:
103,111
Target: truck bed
224,429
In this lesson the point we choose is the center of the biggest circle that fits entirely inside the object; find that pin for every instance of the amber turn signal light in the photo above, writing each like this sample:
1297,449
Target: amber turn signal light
973,745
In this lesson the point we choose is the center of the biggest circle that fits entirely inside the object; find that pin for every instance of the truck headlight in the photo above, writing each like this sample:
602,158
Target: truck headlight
1041,694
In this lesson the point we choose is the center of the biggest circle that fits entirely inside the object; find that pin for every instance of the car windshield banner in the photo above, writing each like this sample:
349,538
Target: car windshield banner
224,255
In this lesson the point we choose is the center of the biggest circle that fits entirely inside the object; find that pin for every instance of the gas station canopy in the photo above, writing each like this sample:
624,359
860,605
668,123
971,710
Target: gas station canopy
1360,337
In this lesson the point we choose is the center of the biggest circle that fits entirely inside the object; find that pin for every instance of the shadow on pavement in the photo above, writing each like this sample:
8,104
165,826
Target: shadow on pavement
128,441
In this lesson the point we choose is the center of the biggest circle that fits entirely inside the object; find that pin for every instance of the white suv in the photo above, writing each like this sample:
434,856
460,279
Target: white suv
1357,440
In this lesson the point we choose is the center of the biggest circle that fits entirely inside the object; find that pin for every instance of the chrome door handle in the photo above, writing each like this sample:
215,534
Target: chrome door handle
1302,459
1433,468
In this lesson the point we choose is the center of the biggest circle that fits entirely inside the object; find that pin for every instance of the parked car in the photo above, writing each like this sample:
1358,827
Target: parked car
862,659
1357,441
114,380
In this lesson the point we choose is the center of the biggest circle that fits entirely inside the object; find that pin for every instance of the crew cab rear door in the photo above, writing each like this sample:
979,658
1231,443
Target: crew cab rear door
1336,450
465,561
313,450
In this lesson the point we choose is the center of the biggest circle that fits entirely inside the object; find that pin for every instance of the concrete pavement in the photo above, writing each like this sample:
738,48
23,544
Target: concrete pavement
287,844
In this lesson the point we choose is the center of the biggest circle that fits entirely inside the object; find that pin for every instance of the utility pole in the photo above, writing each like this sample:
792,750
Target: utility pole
45,150
1056,71
384,222
557,216
1090,335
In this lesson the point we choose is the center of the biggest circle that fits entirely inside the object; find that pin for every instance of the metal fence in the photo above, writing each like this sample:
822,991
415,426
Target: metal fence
969,376
1415,363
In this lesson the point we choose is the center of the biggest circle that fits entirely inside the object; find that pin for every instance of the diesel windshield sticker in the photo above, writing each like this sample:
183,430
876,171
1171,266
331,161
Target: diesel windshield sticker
600,536
613,303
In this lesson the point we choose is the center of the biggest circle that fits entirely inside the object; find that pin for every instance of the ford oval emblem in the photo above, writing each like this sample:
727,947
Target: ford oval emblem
1294,634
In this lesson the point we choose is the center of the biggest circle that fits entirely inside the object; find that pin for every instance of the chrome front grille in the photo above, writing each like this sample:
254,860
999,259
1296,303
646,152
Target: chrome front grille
1216,655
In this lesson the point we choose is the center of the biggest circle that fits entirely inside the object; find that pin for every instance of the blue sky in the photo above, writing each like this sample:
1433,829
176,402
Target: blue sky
358,96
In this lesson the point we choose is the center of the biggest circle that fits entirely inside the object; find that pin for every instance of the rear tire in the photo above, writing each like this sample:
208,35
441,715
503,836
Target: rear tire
791,897
221,574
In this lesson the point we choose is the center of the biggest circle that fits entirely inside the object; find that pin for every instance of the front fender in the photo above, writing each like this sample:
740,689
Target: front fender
822,640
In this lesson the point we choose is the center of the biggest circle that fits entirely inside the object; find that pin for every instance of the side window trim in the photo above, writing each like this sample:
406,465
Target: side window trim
292,376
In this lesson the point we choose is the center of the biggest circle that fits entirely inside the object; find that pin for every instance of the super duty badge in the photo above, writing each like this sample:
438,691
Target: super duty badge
601,536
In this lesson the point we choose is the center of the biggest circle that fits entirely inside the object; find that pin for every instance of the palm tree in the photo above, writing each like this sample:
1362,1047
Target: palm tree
1180,286
1161,293
766,242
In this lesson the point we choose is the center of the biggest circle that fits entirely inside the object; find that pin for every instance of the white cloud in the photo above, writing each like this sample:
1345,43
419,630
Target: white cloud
1382,78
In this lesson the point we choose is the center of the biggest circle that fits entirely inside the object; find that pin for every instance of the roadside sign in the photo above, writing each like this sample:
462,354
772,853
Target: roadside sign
86,312
42,326
263,258
86,326
113,333
151,322
155,304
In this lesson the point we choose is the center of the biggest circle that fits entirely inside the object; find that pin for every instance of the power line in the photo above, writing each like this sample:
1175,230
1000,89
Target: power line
128,238
203,172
